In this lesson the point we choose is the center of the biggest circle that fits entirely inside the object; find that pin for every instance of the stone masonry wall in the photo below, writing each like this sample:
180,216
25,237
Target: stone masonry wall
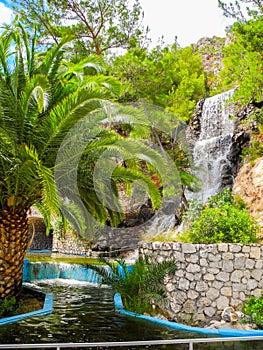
209,278
71,244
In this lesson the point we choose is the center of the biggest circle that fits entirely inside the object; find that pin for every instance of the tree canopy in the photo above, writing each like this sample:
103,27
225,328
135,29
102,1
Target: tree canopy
243,64
95,25
170,77
242,10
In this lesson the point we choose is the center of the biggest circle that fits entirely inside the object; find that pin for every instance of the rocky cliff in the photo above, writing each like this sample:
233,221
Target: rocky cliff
249,185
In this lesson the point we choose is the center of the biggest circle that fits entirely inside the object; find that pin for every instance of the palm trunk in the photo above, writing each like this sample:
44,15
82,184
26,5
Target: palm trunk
13,243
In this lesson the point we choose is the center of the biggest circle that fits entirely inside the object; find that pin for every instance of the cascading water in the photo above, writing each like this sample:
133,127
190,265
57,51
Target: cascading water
210,153
46,270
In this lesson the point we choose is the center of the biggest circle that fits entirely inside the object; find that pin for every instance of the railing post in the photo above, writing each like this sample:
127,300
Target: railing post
191,346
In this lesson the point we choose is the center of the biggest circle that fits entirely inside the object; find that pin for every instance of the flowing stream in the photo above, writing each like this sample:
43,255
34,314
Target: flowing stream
84,312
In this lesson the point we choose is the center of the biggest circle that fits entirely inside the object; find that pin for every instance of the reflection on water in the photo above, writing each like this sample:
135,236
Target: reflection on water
85,313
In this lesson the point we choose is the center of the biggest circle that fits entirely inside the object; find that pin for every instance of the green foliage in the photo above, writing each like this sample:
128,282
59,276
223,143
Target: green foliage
223,220
189,84
255,148
239,9
194,210
224,197
46,106
7,306
95,26
170,77
140,286
242,62
253,307
83,260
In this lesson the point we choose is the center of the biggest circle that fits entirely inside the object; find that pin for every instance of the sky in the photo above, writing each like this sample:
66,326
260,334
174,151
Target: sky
188,20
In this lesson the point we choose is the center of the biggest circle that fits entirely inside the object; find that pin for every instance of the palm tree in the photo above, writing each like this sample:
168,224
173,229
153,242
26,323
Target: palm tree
42,96
140,285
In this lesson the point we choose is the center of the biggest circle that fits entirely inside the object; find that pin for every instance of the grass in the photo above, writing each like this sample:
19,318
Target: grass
27,301
65,259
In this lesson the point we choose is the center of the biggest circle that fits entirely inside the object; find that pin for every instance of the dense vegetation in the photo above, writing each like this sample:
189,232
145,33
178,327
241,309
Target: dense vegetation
224,218
55,73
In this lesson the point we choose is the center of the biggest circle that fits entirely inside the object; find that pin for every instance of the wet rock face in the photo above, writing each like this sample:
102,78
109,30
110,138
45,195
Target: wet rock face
210,137
193,130
249,185
241,136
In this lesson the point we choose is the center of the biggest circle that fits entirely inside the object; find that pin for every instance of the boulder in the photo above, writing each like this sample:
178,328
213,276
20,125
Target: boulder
249,186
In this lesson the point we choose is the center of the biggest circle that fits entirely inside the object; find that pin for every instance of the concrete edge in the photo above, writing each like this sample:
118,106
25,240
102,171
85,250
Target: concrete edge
224,332
47,309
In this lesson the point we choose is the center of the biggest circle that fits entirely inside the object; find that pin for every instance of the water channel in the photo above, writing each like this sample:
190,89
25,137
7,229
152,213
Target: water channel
84,312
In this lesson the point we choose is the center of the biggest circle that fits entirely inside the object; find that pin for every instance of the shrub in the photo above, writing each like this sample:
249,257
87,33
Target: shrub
224,220
253,308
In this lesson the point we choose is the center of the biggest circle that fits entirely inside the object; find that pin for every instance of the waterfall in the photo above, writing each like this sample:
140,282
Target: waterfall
210,153
49,270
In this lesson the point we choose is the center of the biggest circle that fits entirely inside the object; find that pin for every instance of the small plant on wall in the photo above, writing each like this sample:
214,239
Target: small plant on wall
141,285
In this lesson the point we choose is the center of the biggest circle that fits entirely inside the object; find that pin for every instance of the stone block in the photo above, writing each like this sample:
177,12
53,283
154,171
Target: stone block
247,274
255,253
209,311
212,257
209,277
179,297
192,294
226,291
228,256
175,307
236,276
170,287
188,248
201,286
183,284
257,274
246,249
203,262
239,287
222,247
217,284
235,248
223,276
222,302
203,302
192,258
193,268
216,264
239,262
190,276
252,284
213,271
189,307
212,293
259,264
178,256
250,264
242,296
257,292
228,266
